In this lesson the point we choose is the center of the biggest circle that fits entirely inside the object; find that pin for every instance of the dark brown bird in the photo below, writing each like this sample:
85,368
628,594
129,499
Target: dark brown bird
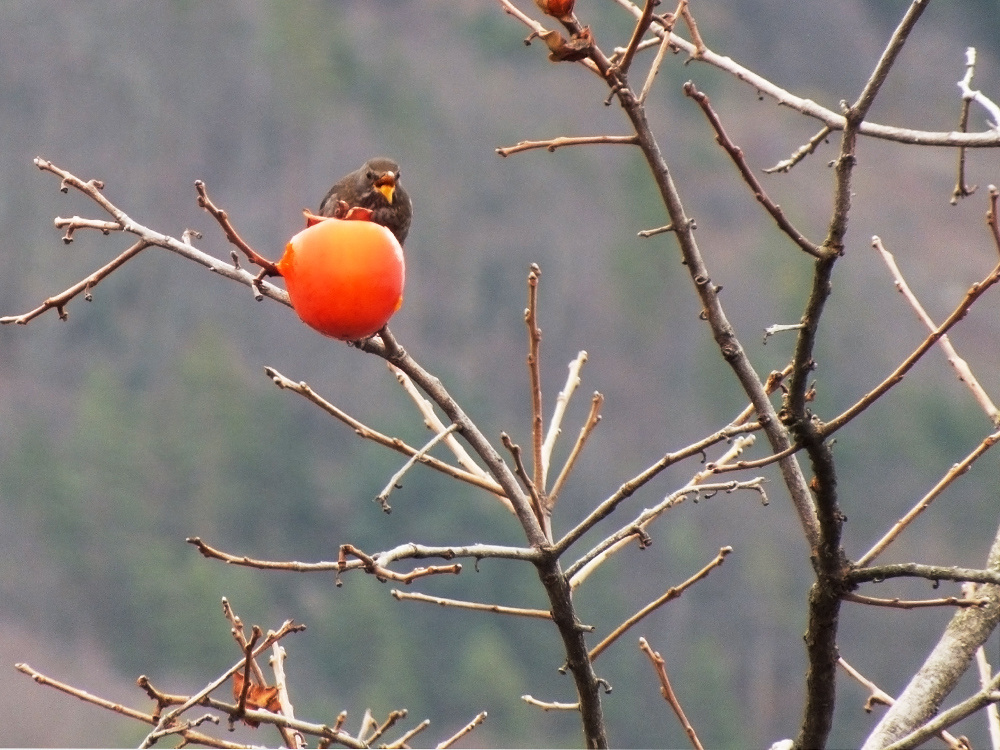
374,186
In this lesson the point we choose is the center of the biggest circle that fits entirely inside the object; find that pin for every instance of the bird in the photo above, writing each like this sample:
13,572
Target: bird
375,186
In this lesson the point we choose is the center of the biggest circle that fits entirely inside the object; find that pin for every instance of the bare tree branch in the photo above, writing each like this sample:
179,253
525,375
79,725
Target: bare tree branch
395,444
550,705
498,609
672,593
641,26
479,719
435,424
552,144
948,601
187,732
593,418
408,551
933,573
950,476
86,286
880,696
562,401
736,154
960,366
383,496
830,118
974,293
668,692
636,529
916,709
534,373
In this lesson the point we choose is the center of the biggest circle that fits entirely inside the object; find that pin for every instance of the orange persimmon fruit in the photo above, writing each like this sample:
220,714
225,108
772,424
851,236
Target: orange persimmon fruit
344,276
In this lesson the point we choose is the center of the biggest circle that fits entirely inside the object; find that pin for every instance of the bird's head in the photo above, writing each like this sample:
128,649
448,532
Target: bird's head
382,174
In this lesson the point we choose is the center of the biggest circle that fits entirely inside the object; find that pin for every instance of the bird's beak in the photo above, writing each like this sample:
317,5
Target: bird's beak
386,184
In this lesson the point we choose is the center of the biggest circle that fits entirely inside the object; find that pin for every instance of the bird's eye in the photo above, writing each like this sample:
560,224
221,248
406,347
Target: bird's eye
371,175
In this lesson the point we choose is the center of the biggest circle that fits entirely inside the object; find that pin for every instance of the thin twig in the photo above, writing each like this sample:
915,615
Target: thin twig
434,423
241,704
326,733
86,285
780,328
476,721
534,373
629,488
499,609
240,636
131,713
407,551
699,44
661,54
257,673
602,551
950,476
552,144
974,293
302,388
961,189
77,222
373,567
367,723
935,573
717,468
960,366
391,720
739,444
394,481
182,727
562,401
407,736
991,216
802,152
968,94
641,27
526,481
947,601
277,662
660,665
876,694
672,593
736,154
550,705
593,418
658,230
268,267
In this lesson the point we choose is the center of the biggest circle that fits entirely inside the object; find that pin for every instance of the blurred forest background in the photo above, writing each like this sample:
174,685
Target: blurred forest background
146,417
